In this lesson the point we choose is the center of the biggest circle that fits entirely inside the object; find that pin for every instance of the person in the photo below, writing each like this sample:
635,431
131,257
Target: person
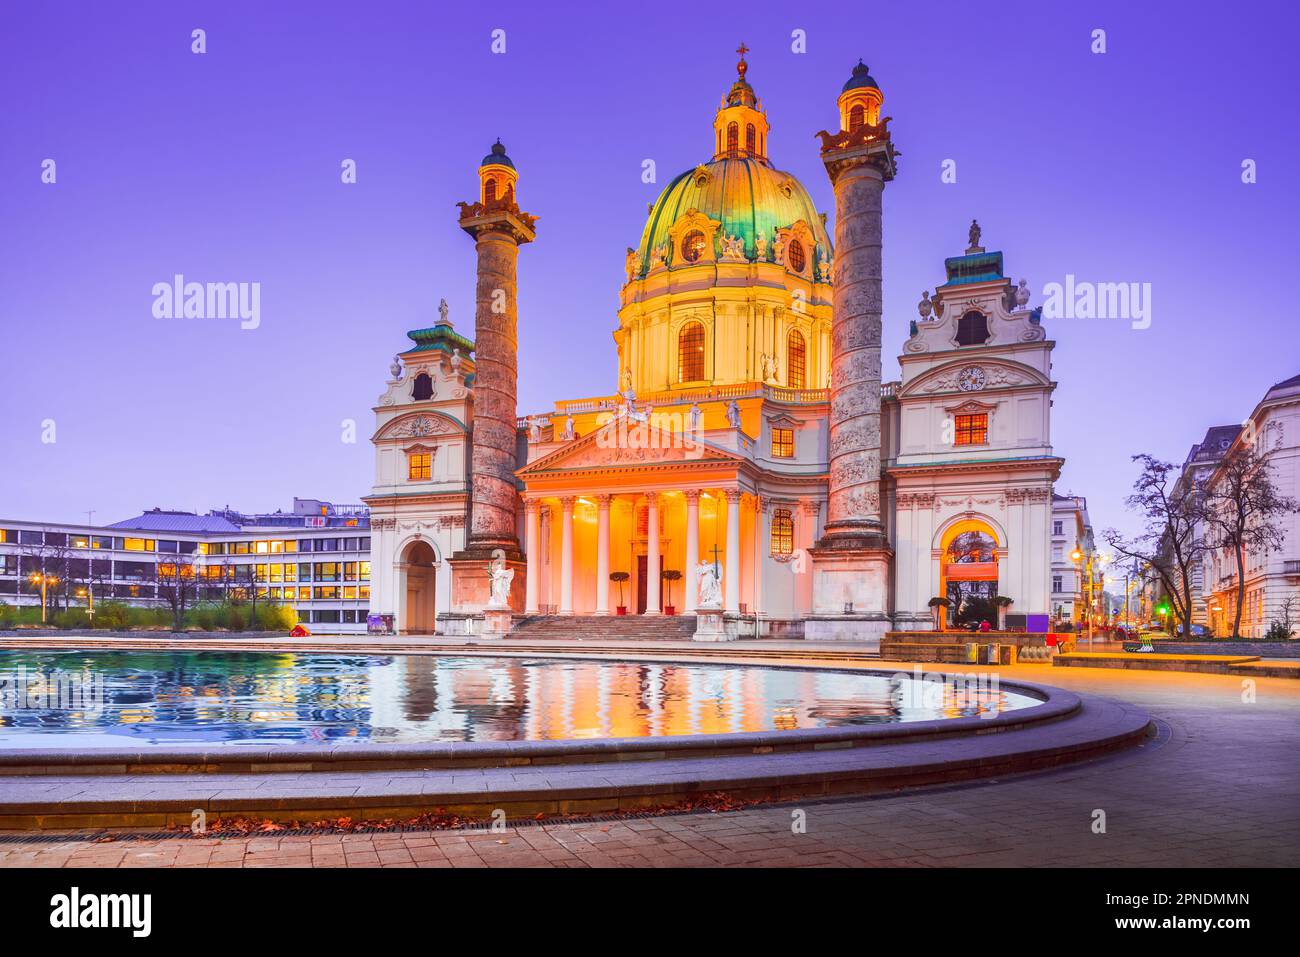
984,625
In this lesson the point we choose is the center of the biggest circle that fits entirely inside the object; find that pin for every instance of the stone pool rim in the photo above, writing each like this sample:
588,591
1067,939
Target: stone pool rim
1056,704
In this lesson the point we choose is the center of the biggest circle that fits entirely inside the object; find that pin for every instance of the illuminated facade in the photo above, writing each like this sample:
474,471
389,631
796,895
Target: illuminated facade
748,425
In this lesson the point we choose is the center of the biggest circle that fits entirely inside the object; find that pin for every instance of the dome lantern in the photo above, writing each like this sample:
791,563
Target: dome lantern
740,128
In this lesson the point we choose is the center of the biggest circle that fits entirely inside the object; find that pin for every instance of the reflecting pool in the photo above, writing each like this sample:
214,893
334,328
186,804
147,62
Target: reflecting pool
115,699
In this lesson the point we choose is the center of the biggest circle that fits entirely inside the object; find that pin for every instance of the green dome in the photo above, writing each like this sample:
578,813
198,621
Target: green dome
746,195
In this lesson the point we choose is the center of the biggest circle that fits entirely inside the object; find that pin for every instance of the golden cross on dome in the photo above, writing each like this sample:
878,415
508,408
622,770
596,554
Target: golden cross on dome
742,50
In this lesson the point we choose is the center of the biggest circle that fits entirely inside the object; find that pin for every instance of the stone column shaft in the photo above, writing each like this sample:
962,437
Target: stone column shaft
692,550
760,551
602,554
731,585
853,510
566,558
533,533
652,554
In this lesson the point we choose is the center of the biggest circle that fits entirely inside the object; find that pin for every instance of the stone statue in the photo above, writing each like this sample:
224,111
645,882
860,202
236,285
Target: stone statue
396,368
733,414
568,428
760,245
826,269
769,367
710,585
501,577
733,247
455,361
778,251
974,234
632,264
627,380
925,307
1022,294
442,312
534,429
696,419
657,257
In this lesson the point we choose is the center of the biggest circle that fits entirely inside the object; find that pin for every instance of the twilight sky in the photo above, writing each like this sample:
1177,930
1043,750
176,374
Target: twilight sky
1119,167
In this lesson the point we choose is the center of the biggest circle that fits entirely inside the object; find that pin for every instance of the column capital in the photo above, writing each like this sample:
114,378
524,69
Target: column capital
652,498
532,506
692,496
566,502
603,500
732,495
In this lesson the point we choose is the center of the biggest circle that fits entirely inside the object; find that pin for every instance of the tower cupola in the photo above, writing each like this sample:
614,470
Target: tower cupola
860,100
740,128
497,176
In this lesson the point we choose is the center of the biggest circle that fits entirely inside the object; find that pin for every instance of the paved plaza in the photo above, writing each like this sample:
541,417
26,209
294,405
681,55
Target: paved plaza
1216,787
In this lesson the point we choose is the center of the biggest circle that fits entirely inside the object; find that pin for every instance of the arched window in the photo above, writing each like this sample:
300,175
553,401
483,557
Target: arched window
972,329
751,137
733,138
490,189
782,532
856,118
690,353
423,388
796,360
794,255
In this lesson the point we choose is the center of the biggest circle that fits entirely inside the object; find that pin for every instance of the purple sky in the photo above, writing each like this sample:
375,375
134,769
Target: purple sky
225,167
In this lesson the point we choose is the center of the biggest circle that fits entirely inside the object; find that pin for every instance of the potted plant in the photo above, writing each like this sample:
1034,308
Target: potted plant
620,577
670,575
1001,602
939,606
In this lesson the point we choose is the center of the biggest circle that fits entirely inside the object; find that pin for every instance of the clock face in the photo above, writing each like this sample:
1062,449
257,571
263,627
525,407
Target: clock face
971,379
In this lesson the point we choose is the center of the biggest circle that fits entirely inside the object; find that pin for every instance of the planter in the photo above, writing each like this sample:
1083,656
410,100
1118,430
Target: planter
670,609
622,610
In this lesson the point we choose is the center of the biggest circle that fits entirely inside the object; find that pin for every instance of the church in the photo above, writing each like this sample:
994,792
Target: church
748,446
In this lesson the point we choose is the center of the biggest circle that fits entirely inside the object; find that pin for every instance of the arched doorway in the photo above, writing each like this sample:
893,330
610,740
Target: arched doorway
969,570
419,571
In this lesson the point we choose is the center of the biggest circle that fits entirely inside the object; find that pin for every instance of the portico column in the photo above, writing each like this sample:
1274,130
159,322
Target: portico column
533,544
760,539
731,589
692,548
652,554
602,554
566,558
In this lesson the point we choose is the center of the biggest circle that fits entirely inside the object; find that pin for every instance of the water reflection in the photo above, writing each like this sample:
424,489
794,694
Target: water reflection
231,698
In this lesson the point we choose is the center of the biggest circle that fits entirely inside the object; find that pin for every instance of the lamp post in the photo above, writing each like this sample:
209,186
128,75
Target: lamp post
1077,556
44,580
89,593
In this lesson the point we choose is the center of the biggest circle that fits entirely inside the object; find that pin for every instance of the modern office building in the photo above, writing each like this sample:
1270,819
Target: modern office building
315,558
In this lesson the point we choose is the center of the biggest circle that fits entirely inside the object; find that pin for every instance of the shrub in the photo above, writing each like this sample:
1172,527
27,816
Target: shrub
71,618
112,614
206,616
7,616
276,617
1278,631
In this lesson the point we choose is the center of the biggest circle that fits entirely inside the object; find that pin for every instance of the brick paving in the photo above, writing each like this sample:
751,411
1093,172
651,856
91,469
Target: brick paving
1216,789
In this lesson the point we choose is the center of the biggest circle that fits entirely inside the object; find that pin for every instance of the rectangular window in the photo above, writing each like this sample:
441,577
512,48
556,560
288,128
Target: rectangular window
304,594
783,443
350,571
1056,584
973,429
290,572
1058,528
137,544
782,532
365,570
419,465
350,592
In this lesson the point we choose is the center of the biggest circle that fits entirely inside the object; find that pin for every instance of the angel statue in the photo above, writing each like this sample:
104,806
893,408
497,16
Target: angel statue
710,585
500,576
733,414
442,312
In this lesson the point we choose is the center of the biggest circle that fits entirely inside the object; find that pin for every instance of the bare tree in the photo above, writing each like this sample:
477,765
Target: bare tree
51,562
1169,544
177,585
1240,505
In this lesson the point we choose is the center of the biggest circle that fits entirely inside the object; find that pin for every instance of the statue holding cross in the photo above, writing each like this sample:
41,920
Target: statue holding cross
710,579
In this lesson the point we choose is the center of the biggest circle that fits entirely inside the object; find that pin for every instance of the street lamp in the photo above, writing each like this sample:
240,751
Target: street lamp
40,578
89,594
1076,556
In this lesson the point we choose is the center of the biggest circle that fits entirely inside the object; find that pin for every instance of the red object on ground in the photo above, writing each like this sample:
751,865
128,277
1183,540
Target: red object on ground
1051,639
299,632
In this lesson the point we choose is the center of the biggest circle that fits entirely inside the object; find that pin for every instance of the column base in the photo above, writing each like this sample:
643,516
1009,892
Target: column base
852,591
496,622
471,585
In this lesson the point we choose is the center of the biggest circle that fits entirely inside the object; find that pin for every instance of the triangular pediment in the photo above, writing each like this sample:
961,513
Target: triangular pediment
623,444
